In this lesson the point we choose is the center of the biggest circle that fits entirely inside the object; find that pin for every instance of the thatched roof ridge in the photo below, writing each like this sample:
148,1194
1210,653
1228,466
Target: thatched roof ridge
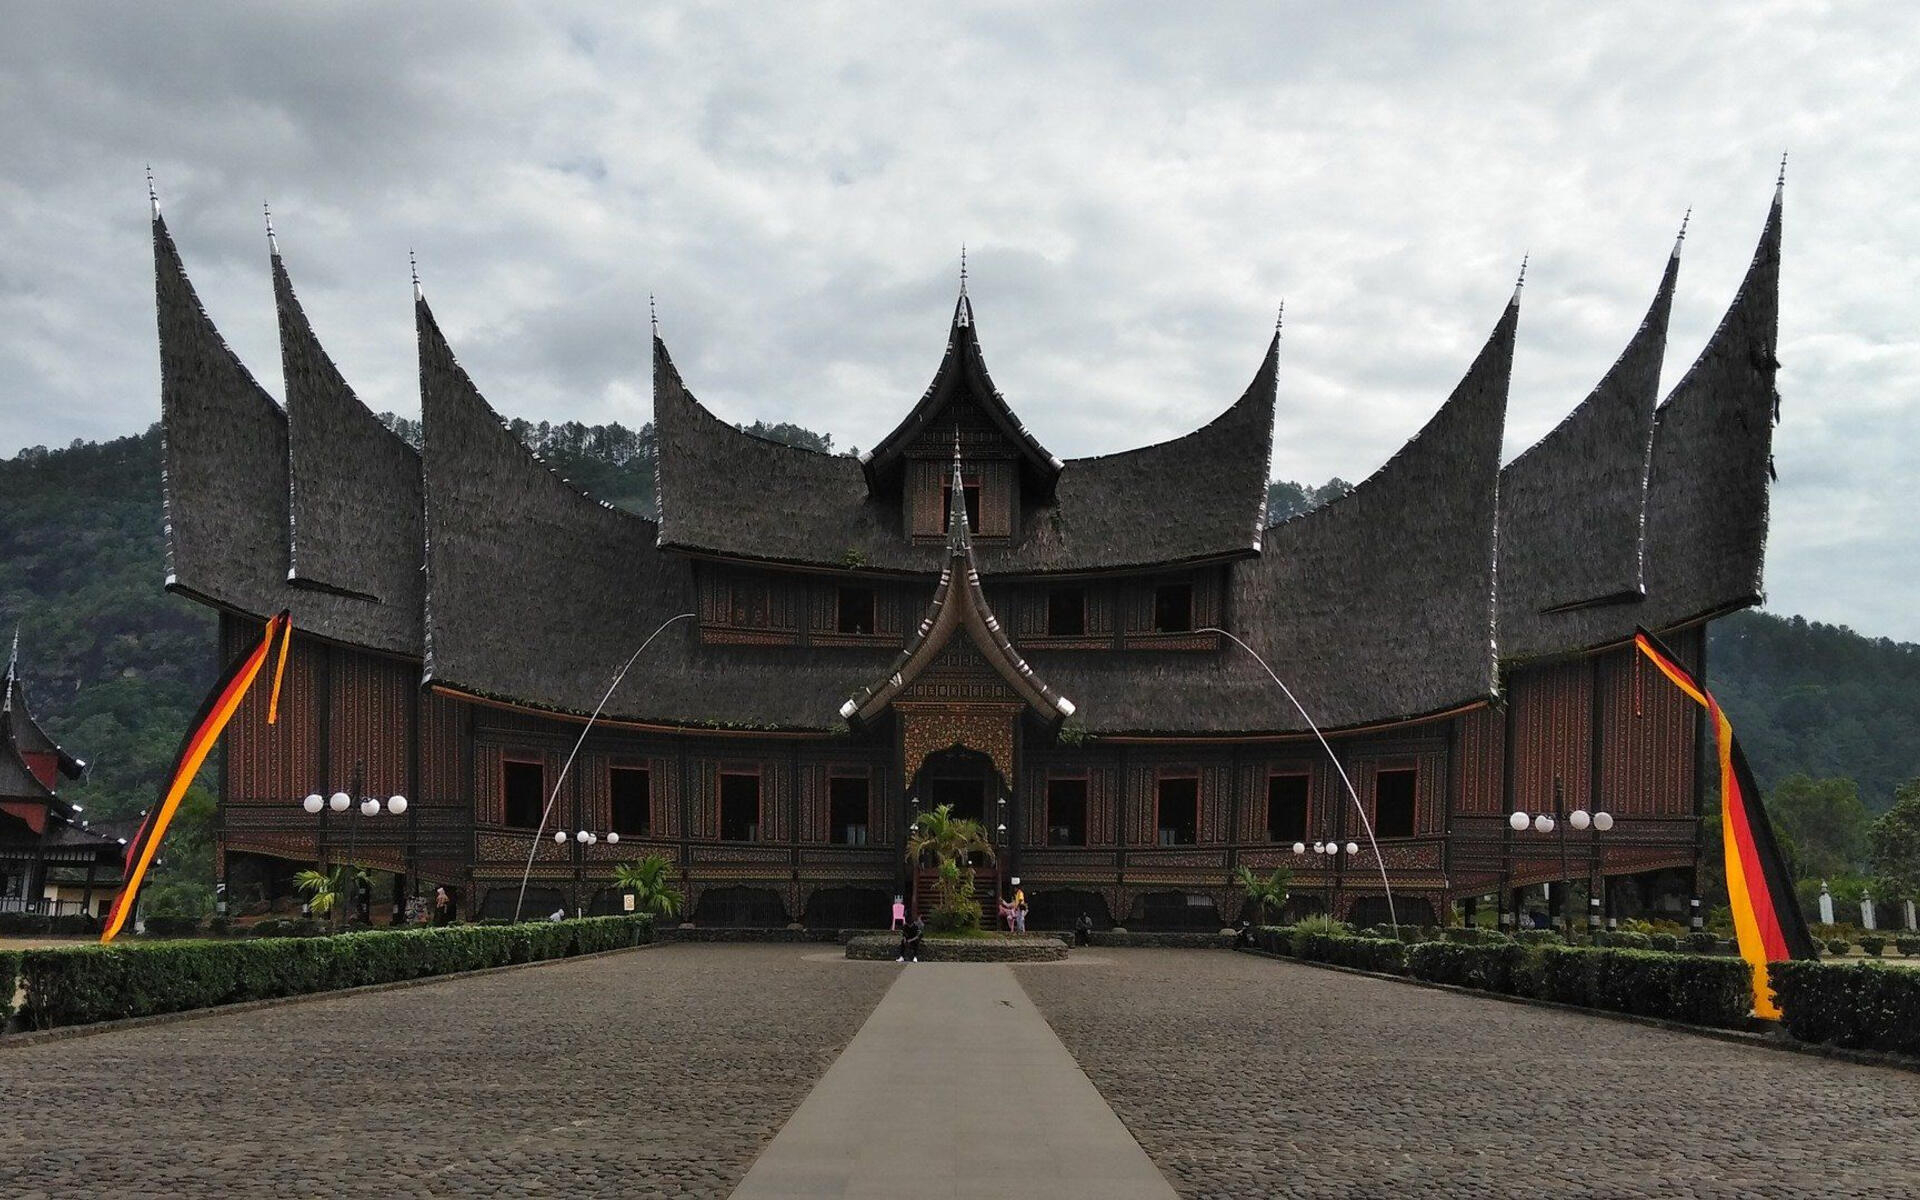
225,476
962,367
1712,471
1207,491
537,593
1573,505
1375,607
355,502
958,604
1708,482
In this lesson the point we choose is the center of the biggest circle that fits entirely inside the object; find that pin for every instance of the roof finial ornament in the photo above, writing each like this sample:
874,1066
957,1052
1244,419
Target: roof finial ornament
1280,319
153,197
1685,217
653,315
1780,182
273,243
963,268
1522,281
413,266
13,668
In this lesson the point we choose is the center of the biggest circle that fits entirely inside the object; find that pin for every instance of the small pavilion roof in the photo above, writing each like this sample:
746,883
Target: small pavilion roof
23,731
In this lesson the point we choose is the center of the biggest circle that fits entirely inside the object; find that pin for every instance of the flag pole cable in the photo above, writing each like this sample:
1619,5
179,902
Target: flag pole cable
541,832
1365,824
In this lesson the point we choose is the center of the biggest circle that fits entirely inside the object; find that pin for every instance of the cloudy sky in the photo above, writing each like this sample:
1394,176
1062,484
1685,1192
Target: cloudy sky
1138,187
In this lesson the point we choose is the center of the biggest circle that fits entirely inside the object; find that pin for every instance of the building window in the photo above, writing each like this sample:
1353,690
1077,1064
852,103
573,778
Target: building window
1393,793
1066,612
1286,808
524,786
1173,608
631,792
855,610
1178,814
749,603
847,811
739,807
970,487
1066,812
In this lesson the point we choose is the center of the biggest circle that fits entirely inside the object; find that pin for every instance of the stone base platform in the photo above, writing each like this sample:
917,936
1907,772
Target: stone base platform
999,947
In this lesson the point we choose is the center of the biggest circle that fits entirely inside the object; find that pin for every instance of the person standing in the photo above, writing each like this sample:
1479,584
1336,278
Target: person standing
1019,907
442,906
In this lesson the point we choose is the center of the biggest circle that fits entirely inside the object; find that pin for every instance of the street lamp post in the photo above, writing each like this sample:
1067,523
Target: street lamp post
1331,850
582,838
368,808
1559,819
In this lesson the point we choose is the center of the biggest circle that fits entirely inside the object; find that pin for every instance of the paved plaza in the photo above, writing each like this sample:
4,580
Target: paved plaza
669,1071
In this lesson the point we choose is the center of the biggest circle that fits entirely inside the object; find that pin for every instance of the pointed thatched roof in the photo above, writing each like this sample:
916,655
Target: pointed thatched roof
22,730
536,593
717,484
1707,484
960,380
1573,505
1375,607
958,606
226,481
355,508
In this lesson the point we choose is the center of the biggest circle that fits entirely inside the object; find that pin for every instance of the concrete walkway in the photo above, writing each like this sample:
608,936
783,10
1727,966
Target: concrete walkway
955,1086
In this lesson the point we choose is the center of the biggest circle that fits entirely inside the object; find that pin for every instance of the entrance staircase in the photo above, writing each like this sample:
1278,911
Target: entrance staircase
986,891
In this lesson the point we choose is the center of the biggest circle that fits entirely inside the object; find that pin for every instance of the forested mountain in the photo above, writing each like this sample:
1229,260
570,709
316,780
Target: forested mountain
115,666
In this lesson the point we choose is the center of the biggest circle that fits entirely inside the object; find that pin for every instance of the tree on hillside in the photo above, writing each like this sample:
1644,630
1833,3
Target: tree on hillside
1823,824
1287,499
1896,845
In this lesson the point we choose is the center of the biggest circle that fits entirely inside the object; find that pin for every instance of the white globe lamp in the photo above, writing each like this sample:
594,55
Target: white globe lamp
1579,819
338,801
313,804
1603,821
1518,822
396,804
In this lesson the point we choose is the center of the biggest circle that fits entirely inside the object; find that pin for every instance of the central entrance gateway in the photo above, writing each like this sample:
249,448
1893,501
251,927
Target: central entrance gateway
963,778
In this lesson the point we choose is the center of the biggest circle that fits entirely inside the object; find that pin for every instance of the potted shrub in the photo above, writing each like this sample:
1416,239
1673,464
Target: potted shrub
1873,943
1267,892
650,882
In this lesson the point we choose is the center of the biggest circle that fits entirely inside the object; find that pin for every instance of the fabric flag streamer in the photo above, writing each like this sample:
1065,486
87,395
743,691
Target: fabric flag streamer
1766,914
218,709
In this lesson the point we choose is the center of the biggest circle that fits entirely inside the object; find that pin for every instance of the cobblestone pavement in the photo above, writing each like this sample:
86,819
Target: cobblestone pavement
1243,1076
658,1073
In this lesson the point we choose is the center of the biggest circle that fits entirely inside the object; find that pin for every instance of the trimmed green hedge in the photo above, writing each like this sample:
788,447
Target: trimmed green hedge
9,983
16,924
1697,989
79,985
1860,1005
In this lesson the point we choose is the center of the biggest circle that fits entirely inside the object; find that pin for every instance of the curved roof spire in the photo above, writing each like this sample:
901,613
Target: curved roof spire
23,734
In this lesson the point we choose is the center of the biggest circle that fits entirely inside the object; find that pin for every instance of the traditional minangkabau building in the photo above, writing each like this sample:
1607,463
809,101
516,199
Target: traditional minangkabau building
961,617
51,861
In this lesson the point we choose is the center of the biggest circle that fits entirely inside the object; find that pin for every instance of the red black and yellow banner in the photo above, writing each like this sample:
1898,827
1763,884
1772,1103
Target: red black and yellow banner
1766,914
218,709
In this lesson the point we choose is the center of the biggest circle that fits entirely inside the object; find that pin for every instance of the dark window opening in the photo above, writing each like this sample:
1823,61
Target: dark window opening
1067,612
739,808
1179,814
971,491
1286,808
750,605
1066,812
524,784
847,810
1173,608
1393,793
856,610
631,790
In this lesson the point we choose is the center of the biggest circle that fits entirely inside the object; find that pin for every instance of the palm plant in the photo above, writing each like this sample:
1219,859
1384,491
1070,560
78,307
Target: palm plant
651,884
322,888
1268,893
951,842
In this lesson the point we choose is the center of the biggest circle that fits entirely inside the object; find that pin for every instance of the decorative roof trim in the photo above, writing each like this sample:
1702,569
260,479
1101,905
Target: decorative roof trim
958,603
